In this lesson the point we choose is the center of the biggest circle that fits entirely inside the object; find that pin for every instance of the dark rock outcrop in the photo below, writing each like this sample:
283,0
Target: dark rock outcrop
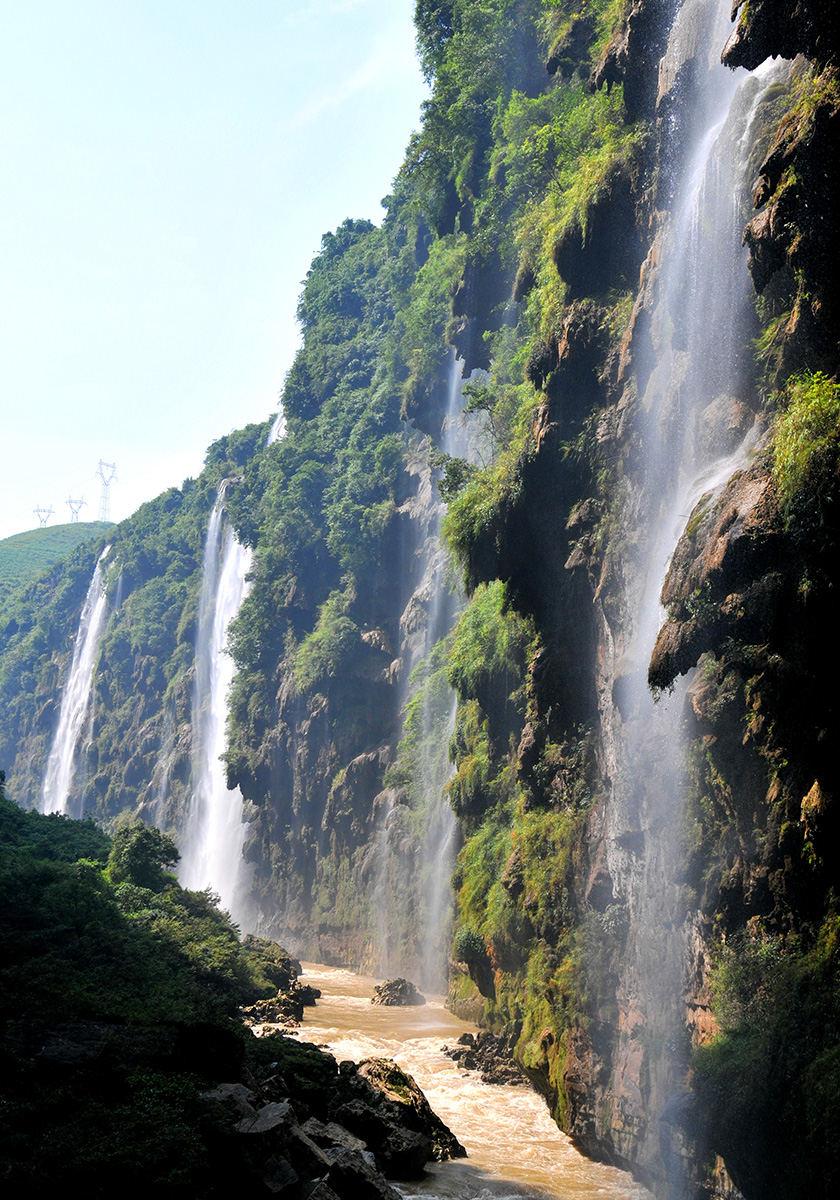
392,1097
368,1123
491,1056
397,993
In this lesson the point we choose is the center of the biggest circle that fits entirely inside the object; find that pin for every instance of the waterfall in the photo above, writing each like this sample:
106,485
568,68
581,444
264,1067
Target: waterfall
278,429
698,367
437,852
215,831
423,921
216,828
61,765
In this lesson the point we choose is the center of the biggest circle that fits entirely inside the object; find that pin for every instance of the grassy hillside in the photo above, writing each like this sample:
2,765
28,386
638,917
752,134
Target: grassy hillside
25,555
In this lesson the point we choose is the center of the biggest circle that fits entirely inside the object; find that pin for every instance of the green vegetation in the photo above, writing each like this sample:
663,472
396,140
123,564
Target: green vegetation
770,1079
26,555
96,929
119,1005
498,244
806,446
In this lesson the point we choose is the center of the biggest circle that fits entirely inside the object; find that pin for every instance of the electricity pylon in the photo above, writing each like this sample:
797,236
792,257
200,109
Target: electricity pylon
74,506
43,514
107,472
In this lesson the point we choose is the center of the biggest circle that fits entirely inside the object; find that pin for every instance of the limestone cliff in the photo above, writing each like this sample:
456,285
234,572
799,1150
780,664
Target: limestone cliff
630,247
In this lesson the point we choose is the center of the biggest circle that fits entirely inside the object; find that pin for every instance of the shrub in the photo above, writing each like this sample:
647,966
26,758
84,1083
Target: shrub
806,447
469,946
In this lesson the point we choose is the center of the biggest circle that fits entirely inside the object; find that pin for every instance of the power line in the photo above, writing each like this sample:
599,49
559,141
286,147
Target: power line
43,514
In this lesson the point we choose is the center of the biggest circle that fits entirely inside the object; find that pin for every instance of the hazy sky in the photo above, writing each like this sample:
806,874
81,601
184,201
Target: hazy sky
169,167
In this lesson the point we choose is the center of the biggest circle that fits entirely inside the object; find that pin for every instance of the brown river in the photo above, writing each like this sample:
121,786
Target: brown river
515,1150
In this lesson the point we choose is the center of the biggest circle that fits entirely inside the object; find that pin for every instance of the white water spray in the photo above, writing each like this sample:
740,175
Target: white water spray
699,367
61,765
216,830
437,853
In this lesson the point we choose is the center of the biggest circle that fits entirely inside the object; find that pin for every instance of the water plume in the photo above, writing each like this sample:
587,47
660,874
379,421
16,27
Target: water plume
75,700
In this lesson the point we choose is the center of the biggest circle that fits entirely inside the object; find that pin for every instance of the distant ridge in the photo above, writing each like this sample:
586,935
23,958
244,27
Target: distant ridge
25,555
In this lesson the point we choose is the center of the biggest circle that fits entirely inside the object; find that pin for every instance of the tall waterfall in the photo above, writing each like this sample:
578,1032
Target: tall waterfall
439,844
75,699
216,828
424,921
699,367
215,832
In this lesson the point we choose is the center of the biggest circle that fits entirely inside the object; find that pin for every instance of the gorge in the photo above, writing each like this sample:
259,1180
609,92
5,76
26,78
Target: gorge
502,658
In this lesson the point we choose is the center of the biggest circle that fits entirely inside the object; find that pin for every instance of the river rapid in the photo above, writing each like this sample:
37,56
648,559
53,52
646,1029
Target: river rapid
515,1149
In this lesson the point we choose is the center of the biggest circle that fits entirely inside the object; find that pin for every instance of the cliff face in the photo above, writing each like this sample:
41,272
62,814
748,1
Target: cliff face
630,247
691,870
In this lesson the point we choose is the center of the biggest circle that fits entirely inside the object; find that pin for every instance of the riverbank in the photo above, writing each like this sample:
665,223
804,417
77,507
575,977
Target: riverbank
514,1148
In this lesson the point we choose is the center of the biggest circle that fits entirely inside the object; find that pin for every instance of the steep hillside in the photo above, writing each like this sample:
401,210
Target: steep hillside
27,555
597,326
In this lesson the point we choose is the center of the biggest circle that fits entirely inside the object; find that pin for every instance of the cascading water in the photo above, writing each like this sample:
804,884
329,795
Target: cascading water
430,716
61,765
438,722
694,406
515,1151
216,829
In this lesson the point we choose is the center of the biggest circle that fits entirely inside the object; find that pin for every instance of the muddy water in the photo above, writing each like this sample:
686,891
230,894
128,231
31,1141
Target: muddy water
514,1148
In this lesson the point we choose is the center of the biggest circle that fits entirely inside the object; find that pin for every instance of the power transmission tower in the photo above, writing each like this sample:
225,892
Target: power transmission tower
75,506
43,514
107,472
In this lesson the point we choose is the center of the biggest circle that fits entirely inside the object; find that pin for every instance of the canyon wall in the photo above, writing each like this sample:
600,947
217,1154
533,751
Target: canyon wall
615,254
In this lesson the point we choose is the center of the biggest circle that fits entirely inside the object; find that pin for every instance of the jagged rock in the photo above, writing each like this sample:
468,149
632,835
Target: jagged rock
490,1055
286,1008
723,576
280,1177
305,1156
630,55
322,1191
396,993
331,1136
404,1154
400,1153
410,1106
269,1119
308,995
782,27
352,1178
235,1100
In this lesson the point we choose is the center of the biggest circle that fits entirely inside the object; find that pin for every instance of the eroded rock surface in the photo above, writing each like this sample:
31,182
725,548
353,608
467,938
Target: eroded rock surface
397,993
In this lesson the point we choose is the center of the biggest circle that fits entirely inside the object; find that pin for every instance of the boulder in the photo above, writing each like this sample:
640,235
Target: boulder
286,1008
271,1118
490,1055
236,1101
332,1136
397,993
353,1178
409,1107
280,1177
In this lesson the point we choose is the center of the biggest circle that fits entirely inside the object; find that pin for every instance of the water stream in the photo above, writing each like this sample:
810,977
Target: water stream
216,829
75,699
696,416
214,837
432,728
514,1148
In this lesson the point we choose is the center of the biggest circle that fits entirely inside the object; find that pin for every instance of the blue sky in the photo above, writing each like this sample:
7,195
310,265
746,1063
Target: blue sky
169,169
